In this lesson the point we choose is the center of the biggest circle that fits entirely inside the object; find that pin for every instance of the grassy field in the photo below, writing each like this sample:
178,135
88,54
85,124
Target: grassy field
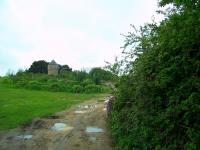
19,106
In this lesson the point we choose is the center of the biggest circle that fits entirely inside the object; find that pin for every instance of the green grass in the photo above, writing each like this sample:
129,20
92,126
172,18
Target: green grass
19,106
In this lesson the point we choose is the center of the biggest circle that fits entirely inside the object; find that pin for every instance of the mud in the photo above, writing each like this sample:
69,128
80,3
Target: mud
82,127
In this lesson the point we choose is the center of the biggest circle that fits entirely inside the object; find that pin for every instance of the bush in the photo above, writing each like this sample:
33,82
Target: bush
21,83
50,81
77,89
73,81
105,89
87,82
97,75
92,88
45,87
6,80
34,85
56,87
42,78
157,102
79,75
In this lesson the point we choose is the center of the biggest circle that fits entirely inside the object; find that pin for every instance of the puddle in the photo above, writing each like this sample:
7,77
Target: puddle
93,130
93,106
87,106
80,112
61,127
24,137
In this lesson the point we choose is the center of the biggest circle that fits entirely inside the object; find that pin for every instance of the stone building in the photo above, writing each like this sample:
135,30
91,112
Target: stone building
53,68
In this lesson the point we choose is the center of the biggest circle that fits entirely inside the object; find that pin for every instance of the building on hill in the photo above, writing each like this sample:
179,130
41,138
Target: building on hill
53,68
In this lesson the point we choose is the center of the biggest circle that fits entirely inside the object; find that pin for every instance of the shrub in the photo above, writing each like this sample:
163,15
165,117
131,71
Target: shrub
79,75
77,89
6,80
72,83
21,83
42,78
50,81
56,87
34,85
87,82
44,87
92,88
105,89
157,102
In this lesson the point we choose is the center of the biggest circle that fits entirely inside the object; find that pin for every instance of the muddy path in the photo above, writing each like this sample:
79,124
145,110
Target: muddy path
82,127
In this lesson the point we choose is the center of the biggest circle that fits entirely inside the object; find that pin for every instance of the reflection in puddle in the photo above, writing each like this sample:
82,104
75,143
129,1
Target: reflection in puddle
24,137
80,112
61,127
87,106
93,130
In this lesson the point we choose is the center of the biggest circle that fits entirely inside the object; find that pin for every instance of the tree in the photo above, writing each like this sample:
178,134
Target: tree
79,75
182,4
98,75
157,102
64,68
115,67
40,66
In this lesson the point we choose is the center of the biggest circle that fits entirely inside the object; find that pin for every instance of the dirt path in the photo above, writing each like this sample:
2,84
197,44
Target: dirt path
82,127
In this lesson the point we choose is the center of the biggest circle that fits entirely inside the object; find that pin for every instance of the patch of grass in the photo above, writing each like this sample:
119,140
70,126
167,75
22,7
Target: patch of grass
19,106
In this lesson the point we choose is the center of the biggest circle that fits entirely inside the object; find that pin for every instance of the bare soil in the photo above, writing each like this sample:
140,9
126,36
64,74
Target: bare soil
41,134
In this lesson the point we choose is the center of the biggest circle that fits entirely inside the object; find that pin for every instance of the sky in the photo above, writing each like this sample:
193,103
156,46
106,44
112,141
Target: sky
79,33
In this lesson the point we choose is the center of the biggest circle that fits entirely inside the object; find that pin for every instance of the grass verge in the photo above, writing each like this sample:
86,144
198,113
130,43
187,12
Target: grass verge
19,106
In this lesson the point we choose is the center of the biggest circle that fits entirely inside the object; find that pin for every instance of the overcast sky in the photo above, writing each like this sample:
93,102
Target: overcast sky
80,33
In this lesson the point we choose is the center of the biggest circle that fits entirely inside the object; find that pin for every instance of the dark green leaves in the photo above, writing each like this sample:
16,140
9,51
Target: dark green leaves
157,104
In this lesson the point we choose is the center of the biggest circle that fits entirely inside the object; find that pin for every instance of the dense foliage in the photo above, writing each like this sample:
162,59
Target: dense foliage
64,68
38,67
41,66
98,75
157,105
67,80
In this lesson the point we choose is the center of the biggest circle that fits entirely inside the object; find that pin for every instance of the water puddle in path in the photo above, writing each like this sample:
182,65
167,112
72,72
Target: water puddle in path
93,130
61,127
24,137
87,106
80,112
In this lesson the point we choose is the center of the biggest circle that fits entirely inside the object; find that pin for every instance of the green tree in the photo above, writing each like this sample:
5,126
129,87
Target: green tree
64,68
157,102
98,75
40,66
79,75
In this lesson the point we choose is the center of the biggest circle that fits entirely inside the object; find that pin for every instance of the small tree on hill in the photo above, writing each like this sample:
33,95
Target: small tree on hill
64,68
39,67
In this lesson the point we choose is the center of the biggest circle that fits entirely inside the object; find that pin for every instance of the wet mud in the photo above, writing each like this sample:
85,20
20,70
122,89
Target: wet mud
82,127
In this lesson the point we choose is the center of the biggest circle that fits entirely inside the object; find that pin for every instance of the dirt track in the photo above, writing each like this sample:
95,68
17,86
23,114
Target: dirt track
76,131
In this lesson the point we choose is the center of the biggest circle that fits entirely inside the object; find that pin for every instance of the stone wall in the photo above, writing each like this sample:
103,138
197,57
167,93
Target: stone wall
53,69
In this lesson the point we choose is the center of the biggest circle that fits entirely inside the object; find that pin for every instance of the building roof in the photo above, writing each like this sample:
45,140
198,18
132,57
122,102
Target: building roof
53,62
